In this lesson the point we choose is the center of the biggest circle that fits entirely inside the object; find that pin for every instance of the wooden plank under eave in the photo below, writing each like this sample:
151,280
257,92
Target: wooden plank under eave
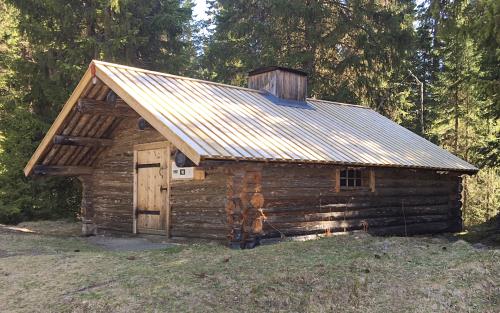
58,123
82,141
43,170
100,107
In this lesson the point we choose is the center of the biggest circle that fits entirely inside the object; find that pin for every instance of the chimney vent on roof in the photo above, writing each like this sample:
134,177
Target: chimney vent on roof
284,83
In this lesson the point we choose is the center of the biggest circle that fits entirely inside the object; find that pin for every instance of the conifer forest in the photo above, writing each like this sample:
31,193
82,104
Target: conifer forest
432,66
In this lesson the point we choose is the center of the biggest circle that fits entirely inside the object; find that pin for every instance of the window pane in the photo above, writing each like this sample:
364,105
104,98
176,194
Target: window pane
351,178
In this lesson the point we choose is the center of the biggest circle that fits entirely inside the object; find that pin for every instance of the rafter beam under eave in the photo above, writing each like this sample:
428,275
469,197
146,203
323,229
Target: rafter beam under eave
82,141
91,106
42,170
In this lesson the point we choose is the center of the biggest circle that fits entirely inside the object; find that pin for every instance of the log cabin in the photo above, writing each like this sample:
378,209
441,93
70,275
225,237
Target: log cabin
182,157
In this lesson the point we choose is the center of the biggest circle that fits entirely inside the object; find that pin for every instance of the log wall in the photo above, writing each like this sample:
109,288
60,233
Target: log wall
247,201
113,177
281,200
197,207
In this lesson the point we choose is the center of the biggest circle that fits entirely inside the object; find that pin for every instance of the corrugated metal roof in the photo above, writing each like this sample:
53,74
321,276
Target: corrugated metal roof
226,122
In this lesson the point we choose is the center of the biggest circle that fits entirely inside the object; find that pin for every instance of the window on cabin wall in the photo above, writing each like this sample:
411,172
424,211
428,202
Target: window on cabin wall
355,178
351,178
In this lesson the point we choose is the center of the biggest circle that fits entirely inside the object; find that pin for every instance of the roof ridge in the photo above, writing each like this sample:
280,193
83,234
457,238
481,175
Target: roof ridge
138,69
340,103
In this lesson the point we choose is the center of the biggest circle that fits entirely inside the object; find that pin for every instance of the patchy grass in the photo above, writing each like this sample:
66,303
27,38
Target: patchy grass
55,228
40,239
352,273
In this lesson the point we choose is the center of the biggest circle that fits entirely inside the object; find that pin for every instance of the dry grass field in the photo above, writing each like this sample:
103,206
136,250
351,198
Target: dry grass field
45,267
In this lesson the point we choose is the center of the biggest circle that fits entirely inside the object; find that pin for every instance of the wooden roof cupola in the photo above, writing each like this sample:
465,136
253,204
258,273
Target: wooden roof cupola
284,83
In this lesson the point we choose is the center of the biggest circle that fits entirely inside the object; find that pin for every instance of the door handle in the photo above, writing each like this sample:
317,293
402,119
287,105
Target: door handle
163,188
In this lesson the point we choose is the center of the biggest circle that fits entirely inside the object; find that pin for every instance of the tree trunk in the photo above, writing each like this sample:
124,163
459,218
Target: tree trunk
455,144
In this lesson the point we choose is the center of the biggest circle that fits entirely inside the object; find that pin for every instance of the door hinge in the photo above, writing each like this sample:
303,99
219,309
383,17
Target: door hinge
146,165
146,212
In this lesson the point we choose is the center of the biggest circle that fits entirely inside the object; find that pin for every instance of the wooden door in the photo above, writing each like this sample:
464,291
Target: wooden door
151,188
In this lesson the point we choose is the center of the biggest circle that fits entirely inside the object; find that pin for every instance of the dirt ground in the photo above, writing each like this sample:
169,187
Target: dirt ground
47,267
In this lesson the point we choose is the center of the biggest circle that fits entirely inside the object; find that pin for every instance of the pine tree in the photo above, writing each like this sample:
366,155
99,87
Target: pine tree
46,47
460,69
354,51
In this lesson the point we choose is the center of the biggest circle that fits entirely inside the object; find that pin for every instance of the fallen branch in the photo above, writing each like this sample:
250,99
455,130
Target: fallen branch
95,285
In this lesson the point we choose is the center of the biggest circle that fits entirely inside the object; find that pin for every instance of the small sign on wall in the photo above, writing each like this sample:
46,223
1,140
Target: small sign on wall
182,172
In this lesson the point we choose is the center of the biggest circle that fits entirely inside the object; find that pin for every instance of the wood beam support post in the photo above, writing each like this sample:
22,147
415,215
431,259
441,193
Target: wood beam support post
372,180
89,228
337,179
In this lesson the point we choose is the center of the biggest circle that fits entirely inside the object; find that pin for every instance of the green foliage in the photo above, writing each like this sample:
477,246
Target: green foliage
483,196
45,46
462,67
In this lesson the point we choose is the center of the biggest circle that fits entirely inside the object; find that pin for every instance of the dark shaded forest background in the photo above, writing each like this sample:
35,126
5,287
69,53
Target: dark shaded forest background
376,53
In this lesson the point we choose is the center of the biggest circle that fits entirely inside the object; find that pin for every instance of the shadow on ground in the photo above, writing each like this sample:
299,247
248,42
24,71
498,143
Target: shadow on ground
114,243
486,234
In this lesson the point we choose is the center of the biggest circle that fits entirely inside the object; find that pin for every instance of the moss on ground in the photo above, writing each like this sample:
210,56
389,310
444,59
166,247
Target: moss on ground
352,273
